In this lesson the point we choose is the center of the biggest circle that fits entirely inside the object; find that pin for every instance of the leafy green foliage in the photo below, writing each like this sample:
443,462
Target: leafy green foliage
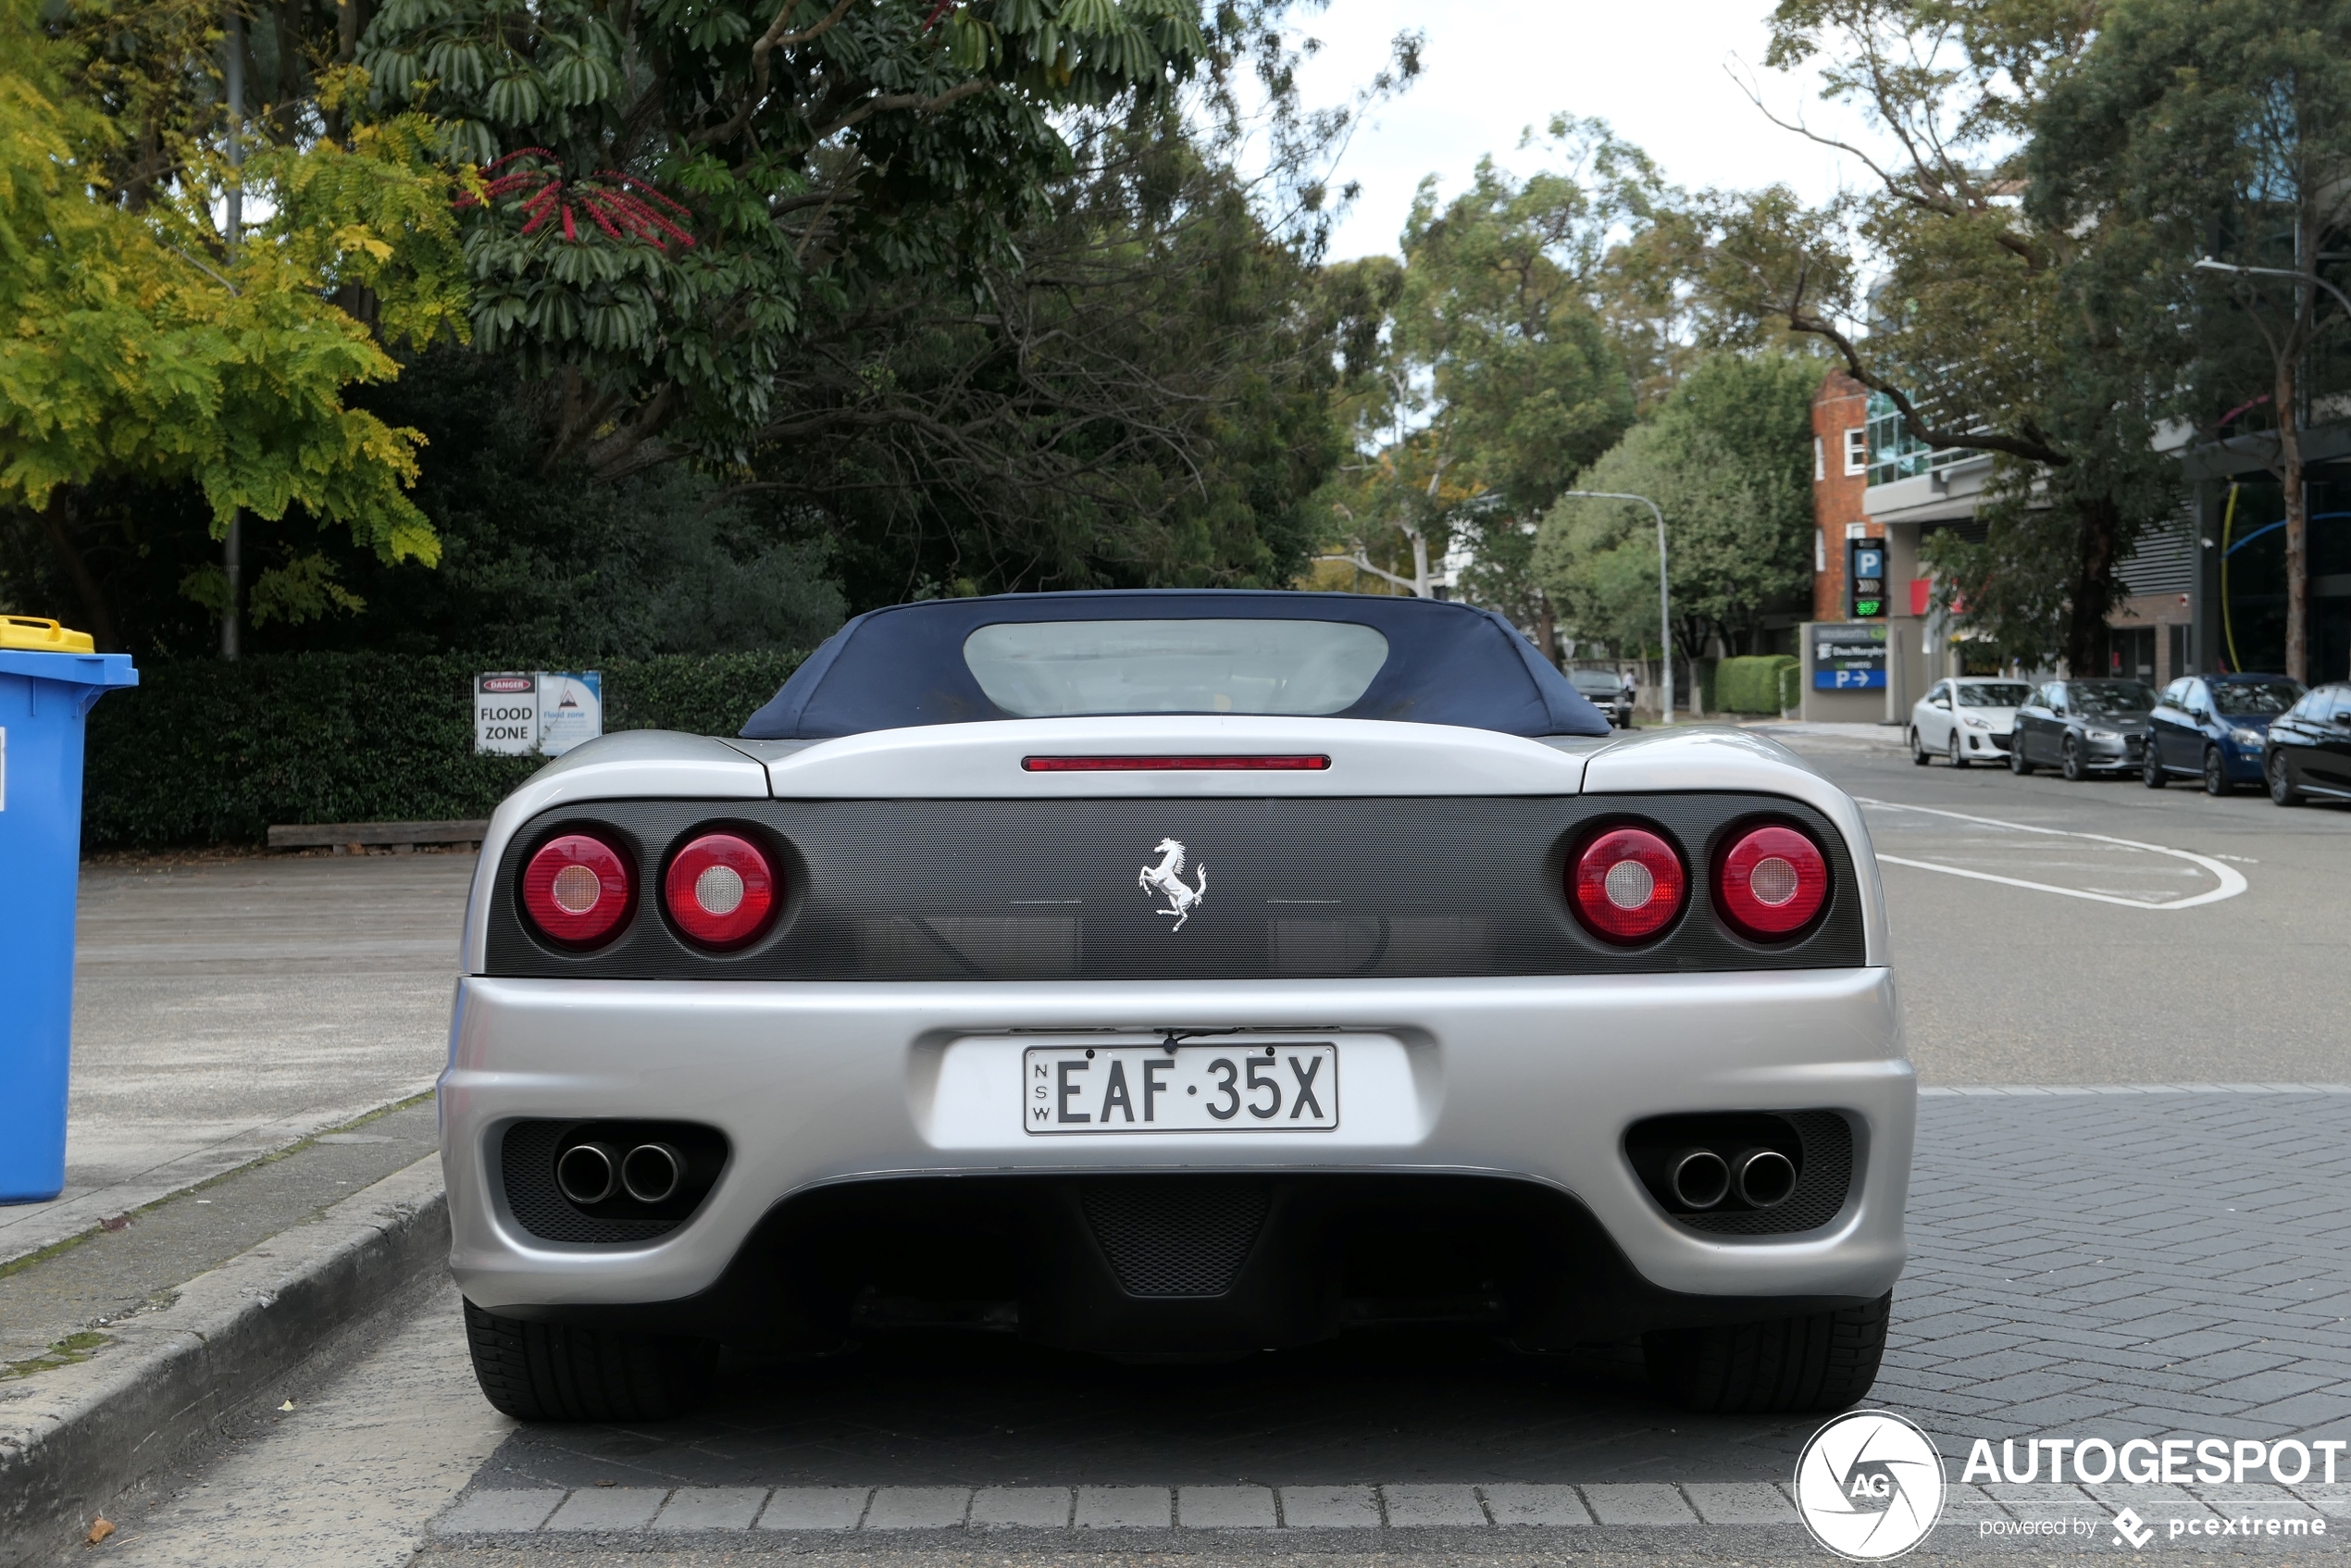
203,752
1500,377
819,151
137,347
1992,325
1727,459
1752,683
2189,128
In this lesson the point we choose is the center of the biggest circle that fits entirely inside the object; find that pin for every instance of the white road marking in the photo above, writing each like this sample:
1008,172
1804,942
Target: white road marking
2231,879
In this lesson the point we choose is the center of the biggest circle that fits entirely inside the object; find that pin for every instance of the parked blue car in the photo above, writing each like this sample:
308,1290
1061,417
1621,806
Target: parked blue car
2213,727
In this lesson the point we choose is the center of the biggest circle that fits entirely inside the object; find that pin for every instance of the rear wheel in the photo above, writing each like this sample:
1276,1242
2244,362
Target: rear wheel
1918,748
2282,788
2071,763
558,1372
2216,772
1959,758
1822,1361
2151,767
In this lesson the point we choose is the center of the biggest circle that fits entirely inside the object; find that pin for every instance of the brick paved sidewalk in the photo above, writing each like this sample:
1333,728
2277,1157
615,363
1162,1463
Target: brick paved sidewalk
2165,1263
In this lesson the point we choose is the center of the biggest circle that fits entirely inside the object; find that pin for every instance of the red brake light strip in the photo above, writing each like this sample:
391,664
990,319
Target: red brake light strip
1177,764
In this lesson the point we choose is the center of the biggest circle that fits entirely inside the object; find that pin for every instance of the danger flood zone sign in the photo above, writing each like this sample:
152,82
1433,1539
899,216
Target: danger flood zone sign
537,713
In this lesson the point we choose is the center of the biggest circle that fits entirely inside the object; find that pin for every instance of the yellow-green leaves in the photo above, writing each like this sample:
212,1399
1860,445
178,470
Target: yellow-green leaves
132,345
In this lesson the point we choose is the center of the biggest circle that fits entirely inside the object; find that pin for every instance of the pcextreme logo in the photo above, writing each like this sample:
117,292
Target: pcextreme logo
1868,1486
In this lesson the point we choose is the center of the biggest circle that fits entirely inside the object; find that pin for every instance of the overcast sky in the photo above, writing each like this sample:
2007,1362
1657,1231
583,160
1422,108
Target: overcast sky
1655,72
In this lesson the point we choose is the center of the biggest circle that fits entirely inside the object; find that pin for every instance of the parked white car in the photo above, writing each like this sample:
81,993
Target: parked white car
1966,720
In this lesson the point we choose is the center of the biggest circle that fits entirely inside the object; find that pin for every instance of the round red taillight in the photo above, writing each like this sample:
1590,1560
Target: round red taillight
576,890
1773,881
721,891
1627,884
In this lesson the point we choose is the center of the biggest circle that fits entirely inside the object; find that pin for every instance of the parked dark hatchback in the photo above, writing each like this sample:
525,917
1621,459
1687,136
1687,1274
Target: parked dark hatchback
2214,727
2309,748
2082,727
1606,691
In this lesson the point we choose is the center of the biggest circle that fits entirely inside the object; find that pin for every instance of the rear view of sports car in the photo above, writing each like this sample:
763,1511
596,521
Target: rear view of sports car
1176,973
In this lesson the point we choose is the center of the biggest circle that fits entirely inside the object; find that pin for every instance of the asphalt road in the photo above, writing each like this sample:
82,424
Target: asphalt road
2009,984
2095,933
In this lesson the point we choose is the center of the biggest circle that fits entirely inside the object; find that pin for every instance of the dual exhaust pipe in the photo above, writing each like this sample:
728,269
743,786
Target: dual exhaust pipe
1700,1178
588,1173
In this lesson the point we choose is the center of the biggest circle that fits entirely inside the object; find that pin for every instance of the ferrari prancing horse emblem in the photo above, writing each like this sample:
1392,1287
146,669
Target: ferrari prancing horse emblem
1166,879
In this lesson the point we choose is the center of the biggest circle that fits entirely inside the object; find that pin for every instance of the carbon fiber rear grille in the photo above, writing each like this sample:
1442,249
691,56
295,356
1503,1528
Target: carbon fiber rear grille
1294,888
1183,1238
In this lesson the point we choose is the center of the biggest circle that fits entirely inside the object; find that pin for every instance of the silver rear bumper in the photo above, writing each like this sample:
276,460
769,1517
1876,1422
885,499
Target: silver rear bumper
1530,1078
826,1083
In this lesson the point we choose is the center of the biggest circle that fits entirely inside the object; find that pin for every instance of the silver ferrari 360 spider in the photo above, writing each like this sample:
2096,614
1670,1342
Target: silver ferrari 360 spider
1176,973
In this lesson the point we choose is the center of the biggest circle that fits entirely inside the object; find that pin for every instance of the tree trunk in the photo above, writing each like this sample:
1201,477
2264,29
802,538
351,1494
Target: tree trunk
2297,526
2093,588
76,570
1547,628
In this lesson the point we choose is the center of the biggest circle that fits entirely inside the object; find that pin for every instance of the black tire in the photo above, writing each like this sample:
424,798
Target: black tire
1918,752
557,1371
2017,764
1958,757
2216,773
2282,789
2071,763
2151,772
1825,1361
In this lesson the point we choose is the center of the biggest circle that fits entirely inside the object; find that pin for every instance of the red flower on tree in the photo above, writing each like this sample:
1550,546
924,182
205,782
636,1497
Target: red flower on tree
621,205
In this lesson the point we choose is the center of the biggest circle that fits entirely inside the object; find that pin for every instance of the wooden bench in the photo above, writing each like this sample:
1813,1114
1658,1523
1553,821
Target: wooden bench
345,837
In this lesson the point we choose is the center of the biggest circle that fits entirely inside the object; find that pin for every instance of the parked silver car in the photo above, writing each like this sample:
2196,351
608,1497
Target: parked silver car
2082,727
1176,973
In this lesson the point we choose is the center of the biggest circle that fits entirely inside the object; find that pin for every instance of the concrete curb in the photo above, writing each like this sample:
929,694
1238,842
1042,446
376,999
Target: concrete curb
74,1437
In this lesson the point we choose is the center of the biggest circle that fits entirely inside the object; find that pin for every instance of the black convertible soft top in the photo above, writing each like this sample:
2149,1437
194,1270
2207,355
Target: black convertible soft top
1447,663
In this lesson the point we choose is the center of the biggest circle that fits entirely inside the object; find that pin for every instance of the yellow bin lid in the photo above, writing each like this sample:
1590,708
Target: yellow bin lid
34,635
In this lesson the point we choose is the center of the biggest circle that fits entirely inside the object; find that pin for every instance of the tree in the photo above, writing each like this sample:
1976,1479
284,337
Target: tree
136,348
1994,326
2218,129
1138,391
1143,400
1499,378
1728,459
679,195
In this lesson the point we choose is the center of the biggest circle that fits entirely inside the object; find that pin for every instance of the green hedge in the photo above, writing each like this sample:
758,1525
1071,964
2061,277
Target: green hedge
1753,684
205,752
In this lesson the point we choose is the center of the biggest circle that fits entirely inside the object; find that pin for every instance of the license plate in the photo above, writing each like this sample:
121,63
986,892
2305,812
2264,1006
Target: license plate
1096,1088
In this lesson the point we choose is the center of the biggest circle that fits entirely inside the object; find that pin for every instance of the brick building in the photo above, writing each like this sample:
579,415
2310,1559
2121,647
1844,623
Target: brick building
1840,481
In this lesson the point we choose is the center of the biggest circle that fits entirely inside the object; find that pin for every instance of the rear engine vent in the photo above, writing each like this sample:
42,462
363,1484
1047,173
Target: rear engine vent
1176,1235
528,1156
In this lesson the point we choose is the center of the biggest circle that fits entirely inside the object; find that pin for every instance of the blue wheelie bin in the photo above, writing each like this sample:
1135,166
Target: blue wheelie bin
49,677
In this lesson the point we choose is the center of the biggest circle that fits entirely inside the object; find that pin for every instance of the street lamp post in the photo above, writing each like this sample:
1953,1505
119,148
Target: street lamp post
2208,264
1664,604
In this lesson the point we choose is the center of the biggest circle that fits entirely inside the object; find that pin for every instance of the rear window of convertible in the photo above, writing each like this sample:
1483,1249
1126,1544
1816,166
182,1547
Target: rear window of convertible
1065,669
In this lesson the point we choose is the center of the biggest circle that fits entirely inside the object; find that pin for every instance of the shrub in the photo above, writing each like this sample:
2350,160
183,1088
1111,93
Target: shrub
204,753
1754,684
